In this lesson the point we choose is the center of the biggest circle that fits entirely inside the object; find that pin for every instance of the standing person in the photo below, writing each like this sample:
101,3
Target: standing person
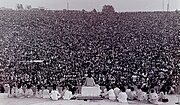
89,81
55,95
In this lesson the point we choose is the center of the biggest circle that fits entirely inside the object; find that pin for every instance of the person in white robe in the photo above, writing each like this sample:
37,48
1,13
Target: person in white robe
55,95
110,94
122,97
19,92
67,95
153,97
46,93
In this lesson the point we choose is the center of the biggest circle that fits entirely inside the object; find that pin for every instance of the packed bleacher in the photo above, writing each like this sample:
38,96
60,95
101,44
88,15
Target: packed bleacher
123,49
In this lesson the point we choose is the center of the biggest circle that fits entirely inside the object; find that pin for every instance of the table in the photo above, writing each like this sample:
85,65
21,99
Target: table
90,91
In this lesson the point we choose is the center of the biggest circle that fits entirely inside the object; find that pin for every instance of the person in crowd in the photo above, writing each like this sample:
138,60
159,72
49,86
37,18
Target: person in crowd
12,91
144,97
19,92
122,97
171,90
110,94
29,91
2,90
89,81
128,90
138,92
46,93
153,97
116,91
67,95
39,92
163,95
132,94
55,95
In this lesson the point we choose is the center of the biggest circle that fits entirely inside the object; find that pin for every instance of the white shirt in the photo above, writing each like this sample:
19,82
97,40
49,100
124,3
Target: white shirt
55,95
39,93
122,97
19,92
46,93
111,94
116,91
67,95
132,95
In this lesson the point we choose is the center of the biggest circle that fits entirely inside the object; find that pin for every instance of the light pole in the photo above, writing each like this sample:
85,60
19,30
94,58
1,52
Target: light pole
163,5
168,6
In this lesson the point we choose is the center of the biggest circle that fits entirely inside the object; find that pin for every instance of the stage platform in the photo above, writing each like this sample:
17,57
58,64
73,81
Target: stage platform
4,100
89,98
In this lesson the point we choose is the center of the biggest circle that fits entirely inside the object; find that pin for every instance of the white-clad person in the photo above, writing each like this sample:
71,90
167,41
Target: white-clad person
116,91
132,94
153,97
29,92
19,92
67,95
110,94
55,95
39,92
46,93
12,91
89,81
122,97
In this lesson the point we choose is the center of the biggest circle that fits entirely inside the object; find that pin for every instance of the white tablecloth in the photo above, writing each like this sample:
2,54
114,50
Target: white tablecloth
90,91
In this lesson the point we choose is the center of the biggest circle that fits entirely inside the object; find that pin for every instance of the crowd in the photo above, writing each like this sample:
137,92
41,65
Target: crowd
123,48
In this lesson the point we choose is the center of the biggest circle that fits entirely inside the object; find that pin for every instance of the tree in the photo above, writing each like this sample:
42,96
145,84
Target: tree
108,9
28,7
94,11
20,7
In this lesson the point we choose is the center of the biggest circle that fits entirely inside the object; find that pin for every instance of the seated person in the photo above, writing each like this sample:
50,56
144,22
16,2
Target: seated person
29,91
110,94
116,91
39,91
12,91
66,93
128,90
138,92
122,97
19,92
132,94
171,90
55,95
89,81
163,95
153,97
144,96
45,93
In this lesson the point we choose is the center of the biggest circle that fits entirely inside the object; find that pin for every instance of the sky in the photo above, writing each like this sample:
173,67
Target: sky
119,5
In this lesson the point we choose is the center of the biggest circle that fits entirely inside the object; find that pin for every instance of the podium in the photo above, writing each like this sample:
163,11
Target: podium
90,91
